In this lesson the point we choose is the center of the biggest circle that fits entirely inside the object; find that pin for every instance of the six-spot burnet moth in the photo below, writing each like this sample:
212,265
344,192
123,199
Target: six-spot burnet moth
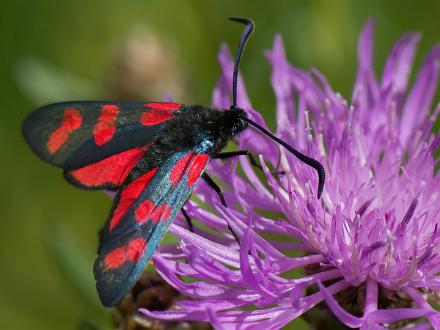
152,154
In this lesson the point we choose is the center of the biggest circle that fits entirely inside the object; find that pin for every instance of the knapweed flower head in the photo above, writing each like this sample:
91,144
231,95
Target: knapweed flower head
368,249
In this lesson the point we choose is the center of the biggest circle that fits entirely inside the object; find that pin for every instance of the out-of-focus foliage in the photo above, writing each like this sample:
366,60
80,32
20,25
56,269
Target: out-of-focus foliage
59,50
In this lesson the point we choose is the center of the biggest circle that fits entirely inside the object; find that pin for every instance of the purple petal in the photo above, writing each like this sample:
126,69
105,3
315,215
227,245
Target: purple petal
371,297
399,63
214,320
281,85
397,314
366,90
420,98
367,325
257,283
217,251
345,317
434,319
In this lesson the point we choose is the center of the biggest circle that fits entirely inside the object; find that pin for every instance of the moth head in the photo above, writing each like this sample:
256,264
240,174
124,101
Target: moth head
236,118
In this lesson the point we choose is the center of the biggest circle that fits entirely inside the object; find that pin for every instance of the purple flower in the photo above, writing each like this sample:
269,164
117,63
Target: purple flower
374,232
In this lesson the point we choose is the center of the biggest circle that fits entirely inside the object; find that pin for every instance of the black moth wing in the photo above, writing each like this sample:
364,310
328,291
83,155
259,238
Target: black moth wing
141,214
75,134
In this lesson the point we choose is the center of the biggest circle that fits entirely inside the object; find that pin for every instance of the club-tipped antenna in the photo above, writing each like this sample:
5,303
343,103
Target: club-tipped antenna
244,38
305,159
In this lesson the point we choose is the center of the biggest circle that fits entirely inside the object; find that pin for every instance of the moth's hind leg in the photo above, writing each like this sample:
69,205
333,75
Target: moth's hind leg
188,219
219,192
216,188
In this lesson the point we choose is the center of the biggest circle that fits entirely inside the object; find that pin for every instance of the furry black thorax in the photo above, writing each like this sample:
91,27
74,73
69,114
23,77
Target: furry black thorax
191,126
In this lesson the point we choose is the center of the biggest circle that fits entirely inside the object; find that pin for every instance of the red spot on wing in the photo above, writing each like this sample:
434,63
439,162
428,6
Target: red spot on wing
154,117
136,248
147,210
144,210
105,128
109,112
178,169
164,105
129,195
131,252
195,170
72,120
111,170
161,213
115,258
57,139
103,132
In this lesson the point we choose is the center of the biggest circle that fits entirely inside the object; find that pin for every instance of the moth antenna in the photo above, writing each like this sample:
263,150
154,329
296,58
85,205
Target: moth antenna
305,159
243,39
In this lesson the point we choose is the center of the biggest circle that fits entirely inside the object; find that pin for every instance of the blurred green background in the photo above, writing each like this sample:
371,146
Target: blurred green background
59,50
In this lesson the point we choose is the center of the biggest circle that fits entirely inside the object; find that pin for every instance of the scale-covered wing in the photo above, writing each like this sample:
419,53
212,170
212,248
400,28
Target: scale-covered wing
75,134
142,212
108,173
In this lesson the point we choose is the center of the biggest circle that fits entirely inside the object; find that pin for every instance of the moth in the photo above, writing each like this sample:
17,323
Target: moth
151,154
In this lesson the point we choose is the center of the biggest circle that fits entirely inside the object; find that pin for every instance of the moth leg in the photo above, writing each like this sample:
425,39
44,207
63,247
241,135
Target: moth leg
216,188
188,220
231,154
219,192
